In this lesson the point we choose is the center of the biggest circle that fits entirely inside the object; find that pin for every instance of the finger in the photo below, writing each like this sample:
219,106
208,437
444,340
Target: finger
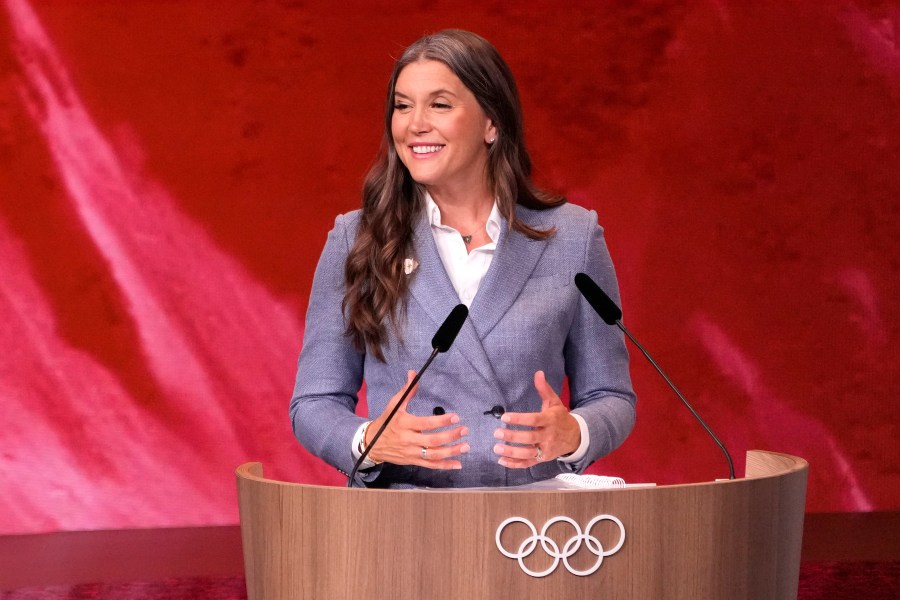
525,419
412,436
516,436
425,425
516,452
408,431
548,396
404,447
410,375
433,440
443,453
379,421
431,422
441,458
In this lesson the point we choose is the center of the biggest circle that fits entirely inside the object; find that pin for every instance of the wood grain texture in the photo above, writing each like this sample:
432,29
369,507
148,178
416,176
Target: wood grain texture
725,539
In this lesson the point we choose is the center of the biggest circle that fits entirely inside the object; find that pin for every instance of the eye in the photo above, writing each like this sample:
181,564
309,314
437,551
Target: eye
401,106
441,105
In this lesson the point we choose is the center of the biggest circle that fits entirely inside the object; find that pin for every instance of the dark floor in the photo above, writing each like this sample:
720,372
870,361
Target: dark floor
154,554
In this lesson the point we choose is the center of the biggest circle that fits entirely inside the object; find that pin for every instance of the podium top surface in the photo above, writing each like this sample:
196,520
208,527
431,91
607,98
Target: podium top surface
760,464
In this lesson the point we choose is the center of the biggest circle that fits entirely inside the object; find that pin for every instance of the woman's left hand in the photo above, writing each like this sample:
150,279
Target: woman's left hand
554,432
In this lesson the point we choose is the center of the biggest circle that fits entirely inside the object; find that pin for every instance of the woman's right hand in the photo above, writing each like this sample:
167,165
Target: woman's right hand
407,435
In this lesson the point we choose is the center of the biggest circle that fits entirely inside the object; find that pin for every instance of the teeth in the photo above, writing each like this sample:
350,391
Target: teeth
425,149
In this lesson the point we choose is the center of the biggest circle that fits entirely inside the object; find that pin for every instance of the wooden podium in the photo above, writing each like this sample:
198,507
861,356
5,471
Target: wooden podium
717,540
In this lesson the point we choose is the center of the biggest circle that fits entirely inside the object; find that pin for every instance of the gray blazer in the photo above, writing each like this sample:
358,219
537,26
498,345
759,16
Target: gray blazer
527,316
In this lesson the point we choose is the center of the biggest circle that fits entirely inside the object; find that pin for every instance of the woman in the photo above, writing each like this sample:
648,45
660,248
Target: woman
450,215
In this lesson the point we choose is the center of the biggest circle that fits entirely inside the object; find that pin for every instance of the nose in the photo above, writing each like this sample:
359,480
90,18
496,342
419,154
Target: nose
418,120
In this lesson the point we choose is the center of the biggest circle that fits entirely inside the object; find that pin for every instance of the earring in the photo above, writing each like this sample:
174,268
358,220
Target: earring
493,139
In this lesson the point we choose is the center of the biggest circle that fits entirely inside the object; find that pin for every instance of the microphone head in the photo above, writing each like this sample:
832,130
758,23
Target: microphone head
597,298
446,333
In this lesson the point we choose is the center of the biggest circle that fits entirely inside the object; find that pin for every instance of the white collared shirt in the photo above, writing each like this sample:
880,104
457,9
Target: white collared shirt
465,269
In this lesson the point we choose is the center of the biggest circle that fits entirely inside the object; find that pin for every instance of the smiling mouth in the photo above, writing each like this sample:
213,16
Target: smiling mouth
426,149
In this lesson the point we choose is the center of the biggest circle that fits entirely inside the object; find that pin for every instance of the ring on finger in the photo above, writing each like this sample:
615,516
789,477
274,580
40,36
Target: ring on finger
539,455
424,453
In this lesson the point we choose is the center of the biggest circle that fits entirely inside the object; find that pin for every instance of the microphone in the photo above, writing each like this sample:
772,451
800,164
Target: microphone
441,342
612,315
448,330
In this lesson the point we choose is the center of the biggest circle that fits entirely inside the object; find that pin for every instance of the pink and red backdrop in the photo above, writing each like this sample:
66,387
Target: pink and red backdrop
169,170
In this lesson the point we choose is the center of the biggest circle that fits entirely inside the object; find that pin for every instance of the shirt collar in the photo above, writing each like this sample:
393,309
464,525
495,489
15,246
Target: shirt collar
434,217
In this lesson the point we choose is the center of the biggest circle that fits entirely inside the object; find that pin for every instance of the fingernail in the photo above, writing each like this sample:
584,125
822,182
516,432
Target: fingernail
464,448
457,466
454,419
505,419
465,431
498,448
503,462
498,433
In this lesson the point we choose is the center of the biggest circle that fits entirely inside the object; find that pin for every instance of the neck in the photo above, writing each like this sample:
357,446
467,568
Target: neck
465,213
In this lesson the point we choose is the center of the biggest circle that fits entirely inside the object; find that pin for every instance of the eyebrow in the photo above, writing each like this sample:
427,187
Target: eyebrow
440,92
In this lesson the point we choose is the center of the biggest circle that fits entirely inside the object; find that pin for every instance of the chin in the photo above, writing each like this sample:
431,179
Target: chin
421,178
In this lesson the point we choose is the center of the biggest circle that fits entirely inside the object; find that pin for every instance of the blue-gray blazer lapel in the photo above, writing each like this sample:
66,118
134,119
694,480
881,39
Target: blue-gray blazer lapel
514,261
430,285
432,289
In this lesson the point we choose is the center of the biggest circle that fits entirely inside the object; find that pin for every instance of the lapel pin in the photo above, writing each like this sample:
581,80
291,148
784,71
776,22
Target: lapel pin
409,265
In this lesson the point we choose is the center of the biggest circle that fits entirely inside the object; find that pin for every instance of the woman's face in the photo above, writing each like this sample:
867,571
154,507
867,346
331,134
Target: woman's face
440,132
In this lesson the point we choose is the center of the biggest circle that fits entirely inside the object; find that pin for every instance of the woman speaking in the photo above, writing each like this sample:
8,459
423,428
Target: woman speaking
450,215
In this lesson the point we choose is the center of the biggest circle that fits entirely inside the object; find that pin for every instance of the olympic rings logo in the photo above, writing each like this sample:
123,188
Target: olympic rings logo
552,548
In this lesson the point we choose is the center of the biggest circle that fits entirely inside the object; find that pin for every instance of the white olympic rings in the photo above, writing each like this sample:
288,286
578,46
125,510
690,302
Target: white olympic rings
572,546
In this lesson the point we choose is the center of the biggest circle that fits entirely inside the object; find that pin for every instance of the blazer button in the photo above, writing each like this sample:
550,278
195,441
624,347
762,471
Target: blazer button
496,410
438,411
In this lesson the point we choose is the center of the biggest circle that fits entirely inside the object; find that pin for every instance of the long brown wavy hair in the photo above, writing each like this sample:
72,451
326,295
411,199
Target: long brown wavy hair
376,287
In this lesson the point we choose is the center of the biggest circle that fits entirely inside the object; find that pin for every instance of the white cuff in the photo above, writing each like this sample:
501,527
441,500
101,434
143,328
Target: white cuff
357,443
585,442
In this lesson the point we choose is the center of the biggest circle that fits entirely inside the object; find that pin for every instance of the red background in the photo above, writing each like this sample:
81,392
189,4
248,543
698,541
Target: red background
169,170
